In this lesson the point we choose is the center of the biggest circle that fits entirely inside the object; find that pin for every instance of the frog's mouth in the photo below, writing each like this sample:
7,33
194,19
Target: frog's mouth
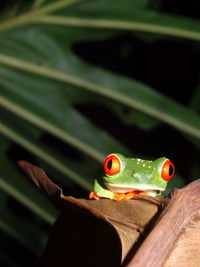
151,191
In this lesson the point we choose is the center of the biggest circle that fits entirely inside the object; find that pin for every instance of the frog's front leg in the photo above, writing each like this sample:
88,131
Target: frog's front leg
101,192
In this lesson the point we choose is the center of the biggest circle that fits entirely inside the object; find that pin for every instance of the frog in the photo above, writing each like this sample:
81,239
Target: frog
124,177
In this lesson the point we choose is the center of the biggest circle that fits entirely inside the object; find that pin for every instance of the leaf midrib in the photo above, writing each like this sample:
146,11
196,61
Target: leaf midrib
133,25
29,16
99,89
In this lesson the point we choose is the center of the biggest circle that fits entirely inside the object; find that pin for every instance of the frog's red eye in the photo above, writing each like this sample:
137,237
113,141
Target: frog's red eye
112,165
168,170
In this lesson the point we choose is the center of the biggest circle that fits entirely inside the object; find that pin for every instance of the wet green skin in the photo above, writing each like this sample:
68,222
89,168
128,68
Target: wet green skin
135,174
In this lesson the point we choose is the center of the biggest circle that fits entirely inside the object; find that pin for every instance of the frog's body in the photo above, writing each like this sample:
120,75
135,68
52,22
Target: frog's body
125,177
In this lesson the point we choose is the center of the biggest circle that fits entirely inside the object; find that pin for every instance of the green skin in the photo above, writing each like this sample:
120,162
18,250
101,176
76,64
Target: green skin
135,174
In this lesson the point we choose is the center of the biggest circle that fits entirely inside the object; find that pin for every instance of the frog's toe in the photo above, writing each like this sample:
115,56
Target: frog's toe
130,195
93,195
121,196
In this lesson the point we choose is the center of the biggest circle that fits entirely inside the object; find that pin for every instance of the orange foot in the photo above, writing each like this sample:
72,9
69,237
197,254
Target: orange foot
130,195
121,196
93,195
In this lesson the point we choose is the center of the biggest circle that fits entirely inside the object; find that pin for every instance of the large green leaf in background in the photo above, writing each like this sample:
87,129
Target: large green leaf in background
123,90
13,185
43,81
66,67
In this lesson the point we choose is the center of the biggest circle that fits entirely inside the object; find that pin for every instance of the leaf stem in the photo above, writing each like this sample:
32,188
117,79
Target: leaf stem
118,25
47,157
25,114
30,16
21,197
102,90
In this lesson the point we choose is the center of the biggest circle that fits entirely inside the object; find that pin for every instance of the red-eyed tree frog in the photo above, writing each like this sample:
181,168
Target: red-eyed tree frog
125,177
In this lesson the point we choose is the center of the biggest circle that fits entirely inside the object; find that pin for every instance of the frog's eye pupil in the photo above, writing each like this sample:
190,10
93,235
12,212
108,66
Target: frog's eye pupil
171,170
112,165
109,164
167,170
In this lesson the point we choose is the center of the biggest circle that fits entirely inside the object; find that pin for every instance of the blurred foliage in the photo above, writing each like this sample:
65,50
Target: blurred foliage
82,79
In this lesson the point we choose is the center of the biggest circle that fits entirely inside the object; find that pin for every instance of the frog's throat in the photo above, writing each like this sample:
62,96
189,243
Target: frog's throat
118,188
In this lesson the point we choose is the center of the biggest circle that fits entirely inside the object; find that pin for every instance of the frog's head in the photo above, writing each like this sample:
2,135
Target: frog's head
131,174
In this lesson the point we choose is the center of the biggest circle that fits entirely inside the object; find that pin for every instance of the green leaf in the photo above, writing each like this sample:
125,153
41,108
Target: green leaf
32,14
21,230
44,85
19,187
38,3
132,117
67,68
125,15
148,23
195,99
5,144
24,138
60,120
13,254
